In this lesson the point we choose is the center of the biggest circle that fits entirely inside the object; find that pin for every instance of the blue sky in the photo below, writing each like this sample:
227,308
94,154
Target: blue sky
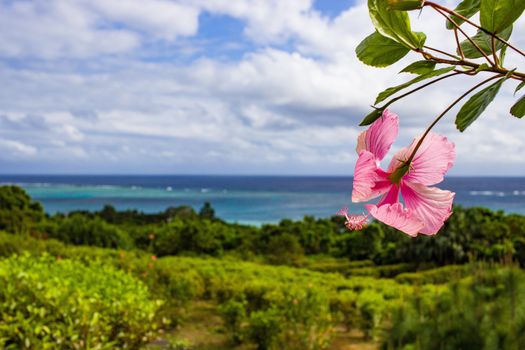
213,87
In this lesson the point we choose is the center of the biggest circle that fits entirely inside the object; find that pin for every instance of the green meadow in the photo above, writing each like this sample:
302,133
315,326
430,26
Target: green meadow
182,279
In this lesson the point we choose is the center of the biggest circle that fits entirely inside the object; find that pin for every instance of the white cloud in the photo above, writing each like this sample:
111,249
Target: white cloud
267,21
16,148
85,28
159,18
70,132
51,29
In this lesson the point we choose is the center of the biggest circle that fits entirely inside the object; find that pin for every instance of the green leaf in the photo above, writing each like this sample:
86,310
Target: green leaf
379,51
484,41
482,67
372,116
394,24
466,8
518,88
390,91
419,67
405,5
421,38
473,108
502,54
518,110
496,15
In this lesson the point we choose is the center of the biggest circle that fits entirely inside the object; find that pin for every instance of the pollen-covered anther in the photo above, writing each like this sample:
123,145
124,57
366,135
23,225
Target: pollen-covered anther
353,222
356,222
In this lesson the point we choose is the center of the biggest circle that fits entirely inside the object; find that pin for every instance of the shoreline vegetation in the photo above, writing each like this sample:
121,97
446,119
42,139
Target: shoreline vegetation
183,279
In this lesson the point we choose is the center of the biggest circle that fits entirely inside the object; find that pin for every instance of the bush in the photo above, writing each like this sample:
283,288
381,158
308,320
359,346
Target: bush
14,244
47,303
344,304
440,275
362,245
264,328
18,212
207,211
370,306
297,319
483,311
284,249
197,236
81,230
233,313
331,264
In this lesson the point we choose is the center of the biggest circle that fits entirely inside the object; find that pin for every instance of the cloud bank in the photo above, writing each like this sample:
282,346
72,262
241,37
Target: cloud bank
213,86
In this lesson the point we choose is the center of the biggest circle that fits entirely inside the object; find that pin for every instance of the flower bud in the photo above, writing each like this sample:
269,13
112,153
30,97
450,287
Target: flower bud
405,5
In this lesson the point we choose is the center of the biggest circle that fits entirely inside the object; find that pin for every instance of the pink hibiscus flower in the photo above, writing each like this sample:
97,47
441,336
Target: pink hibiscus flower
409,175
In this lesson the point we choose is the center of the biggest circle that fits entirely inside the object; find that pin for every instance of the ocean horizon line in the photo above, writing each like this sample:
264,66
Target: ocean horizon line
229,175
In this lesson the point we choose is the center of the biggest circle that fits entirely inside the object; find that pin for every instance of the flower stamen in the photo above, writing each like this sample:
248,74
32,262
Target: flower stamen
354,222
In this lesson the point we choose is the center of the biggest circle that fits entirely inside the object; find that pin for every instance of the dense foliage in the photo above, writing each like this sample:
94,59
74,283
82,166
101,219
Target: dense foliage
18,213
378,281
79,229
473,234
45,303
275,307
470,234
484,311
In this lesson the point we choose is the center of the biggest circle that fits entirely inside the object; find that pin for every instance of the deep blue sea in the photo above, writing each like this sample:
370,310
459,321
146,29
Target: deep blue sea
244,199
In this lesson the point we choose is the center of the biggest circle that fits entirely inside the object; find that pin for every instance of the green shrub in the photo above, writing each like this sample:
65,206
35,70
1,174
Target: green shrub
344,304
47,303
297,319
233,313
81,230
483,311
331,264
198,236
390,271
15,244
439,275
284,249
363,271
18,212
178,344
264,328
370,306
207,211
366,244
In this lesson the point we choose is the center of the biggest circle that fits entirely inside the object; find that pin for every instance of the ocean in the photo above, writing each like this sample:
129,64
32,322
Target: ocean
243,199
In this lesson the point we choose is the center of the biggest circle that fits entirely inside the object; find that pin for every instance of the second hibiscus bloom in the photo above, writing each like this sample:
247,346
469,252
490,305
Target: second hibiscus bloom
409,175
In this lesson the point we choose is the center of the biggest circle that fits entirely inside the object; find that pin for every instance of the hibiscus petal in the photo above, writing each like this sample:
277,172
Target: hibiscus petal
432,160
431,205
361,143
369,181
379,136
391,197
396,216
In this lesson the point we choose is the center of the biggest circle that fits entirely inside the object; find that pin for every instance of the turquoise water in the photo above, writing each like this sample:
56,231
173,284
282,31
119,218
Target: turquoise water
246,199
